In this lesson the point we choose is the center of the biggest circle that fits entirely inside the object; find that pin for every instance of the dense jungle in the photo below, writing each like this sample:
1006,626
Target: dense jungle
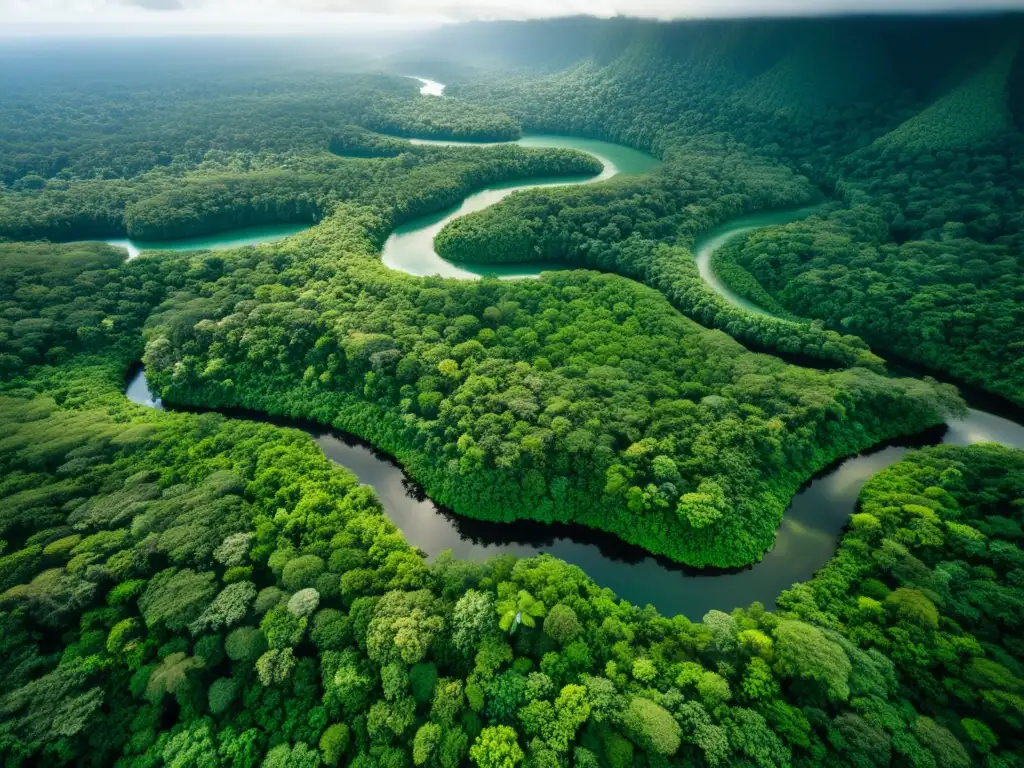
637,285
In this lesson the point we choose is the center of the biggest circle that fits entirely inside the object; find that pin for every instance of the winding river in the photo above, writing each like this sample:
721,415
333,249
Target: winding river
411,246
804,542
711,241
812,523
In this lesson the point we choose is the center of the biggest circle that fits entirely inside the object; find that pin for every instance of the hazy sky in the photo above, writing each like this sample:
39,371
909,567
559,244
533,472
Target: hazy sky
280,16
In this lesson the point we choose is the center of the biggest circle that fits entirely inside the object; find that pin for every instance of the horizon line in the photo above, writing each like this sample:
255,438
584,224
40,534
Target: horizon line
64,30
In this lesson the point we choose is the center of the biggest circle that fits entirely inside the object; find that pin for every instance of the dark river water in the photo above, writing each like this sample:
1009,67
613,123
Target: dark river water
810,529
805,540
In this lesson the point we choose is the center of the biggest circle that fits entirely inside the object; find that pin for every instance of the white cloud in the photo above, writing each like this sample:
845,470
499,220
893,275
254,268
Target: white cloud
327,16
158,5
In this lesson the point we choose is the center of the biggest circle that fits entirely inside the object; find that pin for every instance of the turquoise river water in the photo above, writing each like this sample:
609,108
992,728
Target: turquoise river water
810,529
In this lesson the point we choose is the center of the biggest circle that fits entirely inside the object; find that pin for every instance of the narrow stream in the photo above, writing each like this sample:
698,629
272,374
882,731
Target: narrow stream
804,542
232,238
713,240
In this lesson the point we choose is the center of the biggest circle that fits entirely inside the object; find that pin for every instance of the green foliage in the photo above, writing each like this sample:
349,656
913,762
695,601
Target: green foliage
519,608
972,112
58,300
912,606
825,677
425,743
234,550
917,179
473,619
245,644
422,680
229,607
303,602
194,590
176,598
561,624
652,726
334,742
941,298
403,627
173,676
302,572
432,118
947,588
191,746
448,701
300,755
275,666
496,748
805,651
223,692
468,384
356,141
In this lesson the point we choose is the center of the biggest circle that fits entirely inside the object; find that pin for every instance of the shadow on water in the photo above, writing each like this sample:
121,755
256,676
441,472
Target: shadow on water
974,396
804,542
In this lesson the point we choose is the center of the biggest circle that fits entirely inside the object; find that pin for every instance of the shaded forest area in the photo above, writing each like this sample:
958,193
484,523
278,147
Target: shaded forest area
921,150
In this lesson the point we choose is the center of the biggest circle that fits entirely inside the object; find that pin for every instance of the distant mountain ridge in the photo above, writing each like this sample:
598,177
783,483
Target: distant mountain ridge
799,69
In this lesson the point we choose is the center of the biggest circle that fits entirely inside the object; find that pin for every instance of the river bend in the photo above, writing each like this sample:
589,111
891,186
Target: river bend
812,524
410,248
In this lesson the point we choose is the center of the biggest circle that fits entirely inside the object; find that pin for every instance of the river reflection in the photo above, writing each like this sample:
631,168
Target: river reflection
811,526
805,540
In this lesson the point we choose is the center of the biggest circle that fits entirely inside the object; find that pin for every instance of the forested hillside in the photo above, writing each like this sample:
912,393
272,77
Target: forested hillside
921,145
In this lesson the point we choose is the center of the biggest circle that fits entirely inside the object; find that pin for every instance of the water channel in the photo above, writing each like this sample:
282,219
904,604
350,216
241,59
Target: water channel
804,542
234,238
711,241
410,248
811,526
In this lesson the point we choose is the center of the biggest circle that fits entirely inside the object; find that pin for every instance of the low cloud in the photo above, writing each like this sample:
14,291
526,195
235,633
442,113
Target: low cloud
156,5
661,9
276,17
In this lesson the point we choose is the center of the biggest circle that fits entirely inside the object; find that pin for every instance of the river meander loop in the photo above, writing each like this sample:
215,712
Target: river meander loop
812,524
